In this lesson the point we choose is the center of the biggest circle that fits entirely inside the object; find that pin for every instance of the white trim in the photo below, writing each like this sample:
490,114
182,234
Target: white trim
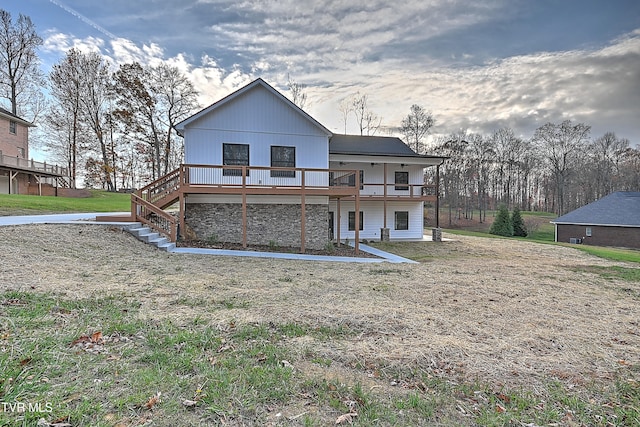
408,160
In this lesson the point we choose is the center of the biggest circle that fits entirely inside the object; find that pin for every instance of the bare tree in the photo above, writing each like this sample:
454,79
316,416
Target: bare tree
96,79
178,99
20,74
150,102
64,119
416,126
561,145
298,92
607,152
345,107
366,119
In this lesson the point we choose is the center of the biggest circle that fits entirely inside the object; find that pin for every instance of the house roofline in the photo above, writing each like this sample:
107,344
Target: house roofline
9,115
258,82
590,224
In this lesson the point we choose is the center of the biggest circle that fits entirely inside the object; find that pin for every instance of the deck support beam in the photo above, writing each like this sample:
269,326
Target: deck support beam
303,215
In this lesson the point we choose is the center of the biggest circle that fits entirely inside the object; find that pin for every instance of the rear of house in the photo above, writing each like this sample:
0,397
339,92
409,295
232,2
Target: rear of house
260,170
613,220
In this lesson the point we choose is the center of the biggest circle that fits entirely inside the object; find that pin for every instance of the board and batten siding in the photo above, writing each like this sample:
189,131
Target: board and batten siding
260,119
373,177
374,219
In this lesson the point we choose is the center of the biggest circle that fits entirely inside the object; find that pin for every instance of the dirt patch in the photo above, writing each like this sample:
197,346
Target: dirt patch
506,312
341,250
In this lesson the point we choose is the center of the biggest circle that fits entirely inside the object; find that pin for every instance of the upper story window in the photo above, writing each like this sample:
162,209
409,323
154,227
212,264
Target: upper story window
21,152
236,155
283,157
13,125
402,181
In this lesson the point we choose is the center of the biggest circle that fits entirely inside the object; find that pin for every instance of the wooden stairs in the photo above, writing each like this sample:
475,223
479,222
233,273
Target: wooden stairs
157,226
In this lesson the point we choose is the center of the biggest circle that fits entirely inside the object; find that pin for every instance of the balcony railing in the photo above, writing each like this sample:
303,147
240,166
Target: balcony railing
32,165
262,179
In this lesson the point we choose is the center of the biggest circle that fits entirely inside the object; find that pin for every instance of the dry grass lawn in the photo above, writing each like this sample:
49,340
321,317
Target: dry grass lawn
511,314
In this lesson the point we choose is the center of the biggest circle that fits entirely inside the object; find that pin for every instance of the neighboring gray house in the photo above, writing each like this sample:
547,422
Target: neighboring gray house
613,220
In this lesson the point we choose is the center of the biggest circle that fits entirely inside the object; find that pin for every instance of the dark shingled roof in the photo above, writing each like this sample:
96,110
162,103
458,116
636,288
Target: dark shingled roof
370,145
618,209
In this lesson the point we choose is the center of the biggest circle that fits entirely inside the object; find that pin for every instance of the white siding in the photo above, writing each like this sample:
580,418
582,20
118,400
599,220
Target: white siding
374,219
260,119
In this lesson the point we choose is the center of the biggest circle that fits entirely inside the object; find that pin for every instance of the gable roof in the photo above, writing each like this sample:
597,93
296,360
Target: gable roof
229,98
621,208
372,146
9,115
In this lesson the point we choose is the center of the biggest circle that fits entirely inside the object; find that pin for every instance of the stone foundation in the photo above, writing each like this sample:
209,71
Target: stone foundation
266,223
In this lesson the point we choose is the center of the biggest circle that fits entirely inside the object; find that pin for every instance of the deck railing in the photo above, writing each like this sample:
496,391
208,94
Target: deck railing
32,165
156,218
263,177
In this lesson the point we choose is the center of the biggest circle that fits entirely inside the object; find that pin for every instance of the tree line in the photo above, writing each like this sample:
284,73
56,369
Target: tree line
113,126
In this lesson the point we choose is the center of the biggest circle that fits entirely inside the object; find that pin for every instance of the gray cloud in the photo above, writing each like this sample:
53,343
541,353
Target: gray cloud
444,55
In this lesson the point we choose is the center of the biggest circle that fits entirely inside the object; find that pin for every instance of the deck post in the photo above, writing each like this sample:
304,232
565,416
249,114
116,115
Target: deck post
357,236
303,213
437,196
384,191
338,220
244,206
183,206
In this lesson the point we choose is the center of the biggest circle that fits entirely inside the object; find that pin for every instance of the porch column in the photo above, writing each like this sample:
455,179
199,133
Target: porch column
244,206
338,220
303,214
437,196
357,237
384,190
12,176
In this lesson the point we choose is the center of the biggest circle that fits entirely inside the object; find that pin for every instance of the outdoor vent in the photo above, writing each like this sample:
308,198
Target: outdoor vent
575,240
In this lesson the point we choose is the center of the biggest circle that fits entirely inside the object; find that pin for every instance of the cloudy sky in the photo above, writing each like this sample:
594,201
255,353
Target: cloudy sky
477,65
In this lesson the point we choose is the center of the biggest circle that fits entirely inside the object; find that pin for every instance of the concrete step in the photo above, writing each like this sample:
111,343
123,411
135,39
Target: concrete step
147,235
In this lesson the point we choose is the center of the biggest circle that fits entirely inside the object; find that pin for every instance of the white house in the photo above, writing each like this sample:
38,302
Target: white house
260,170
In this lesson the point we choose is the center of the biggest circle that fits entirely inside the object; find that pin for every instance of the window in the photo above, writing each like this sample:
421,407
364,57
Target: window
588,232
402,178
21,152
352,221
235,154
352,179
402,220
12,126
283,157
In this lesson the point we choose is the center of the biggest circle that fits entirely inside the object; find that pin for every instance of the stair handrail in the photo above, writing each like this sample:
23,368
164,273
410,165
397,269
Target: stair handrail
161,187
163,222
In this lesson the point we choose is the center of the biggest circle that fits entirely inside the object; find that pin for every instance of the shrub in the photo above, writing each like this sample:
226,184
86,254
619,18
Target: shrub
519,229
502,224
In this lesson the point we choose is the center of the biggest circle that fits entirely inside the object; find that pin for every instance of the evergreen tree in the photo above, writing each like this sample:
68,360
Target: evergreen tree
502,224
519,229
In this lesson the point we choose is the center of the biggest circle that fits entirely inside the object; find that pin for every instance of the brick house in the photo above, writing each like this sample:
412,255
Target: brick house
613,220
18,174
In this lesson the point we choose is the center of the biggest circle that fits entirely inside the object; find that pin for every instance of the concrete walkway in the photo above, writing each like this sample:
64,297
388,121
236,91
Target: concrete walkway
89,218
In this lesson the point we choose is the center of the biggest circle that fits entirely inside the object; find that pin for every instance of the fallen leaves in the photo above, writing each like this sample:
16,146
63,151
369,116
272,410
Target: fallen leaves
93,343
153,401
346,418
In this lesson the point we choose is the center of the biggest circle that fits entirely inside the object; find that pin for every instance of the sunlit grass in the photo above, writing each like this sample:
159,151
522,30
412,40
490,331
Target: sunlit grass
100,201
